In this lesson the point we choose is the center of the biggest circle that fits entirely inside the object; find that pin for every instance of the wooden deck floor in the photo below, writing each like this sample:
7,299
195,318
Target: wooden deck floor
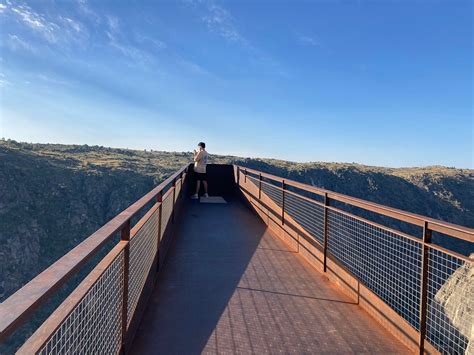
229,286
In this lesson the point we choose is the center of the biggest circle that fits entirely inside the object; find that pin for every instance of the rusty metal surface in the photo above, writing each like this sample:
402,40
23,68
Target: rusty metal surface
125,237
136,228
364,220
102,314
339,236
229,286
398,272
143,249
18,307
423,304
450,229
54,322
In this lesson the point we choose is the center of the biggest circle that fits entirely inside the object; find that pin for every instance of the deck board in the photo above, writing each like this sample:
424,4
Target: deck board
229,286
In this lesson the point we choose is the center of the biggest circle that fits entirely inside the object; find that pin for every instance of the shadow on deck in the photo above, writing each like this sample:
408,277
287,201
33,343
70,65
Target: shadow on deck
228,285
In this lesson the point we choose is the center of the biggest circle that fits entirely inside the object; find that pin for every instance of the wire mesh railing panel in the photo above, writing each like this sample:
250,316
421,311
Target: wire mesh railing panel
253,175
253,179
273,192
377,246
167,210
143,248
450,320
387,263
309,215
95,324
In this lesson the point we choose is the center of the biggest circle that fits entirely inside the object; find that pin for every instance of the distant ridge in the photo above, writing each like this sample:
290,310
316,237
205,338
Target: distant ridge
52,196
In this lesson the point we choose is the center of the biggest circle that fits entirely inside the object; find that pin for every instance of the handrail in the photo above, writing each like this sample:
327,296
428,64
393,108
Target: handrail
429,264
450,229
53,323
16,309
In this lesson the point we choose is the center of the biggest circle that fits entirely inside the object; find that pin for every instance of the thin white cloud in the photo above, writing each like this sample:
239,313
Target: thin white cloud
85,9
309,41
51,80
56,29
118,41
193,67
3,81
72,24
2,7
220,21
137,55
16,43
72,32
156,43
113,23
37,22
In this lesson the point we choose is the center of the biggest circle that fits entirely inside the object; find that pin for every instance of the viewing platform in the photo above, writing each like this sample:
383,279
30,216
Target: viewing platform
229,286
275,266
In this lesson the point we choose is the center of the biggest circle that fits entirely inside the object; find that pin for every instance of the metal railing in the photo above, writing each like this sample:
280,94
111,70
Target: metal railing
102,313
428,286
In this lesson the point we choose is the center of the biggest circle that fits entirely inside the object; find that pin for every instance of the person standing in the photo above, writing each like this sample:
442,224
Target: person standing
200,161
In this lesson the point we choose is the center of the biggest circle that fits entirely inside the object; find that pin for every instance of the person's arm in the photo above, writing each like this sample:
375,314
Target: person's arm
198,156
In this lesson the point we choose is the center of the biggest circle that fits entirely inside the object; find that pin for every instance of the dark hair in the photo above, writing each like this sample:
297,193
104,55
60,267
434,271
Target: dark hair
202,144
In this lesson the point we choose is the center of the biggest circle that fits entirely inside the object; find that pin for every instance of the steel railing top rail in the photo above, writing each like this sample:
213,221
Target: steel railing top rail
66,308
398,271
450,229
17,308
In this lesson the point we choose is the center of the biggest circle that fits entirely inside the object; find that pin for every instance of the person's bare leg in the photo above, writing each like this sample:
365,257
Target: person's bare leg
198,186
205,186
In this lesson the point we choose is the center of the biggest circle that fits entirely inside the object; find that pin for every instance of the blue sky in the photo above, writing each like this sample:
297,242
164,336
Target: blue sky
375,82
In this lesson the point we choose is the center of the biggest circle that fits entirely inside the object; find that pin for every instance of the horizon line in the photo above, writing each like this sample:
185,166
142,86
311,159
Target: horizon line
5,139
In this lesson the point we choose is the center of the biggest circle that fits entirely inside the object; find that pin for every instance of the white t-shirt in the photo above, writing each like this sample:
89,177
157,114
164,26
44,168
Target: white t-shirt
200,161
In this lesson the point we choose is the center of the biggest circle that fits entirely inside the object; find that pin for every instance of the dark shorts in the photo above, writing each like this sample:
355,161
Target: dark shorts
200,176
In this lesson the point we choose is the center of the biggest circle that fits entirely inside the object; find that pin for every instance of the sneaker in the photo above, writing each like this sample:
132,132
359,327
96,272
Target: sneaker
205,196
194,197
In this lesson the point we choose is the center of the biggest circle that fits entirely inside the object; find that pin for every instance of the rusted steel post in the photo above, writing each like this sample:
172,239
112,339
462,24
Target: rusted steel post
125,235
245,176
159,199
425,254
260,186
181,185
238,176
325,247
174,200
283,202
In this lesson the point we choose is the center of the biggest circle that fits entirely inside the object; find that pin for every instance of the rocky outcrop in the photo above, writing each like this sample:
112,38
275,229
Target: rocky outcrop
452,309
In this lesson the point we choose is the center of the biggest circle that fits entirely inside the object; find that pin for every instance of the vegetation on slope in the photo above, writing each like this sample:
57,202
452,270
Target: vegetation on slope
53,196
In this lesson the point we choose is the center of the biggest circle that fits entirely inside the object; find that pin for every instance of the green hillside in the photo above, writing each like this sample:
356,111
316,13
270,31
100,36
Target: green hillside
53,196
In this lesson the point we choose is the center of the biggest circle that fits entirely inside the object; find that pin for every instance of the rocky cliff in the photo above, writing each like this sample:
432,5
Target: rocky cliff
54,196
452,310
